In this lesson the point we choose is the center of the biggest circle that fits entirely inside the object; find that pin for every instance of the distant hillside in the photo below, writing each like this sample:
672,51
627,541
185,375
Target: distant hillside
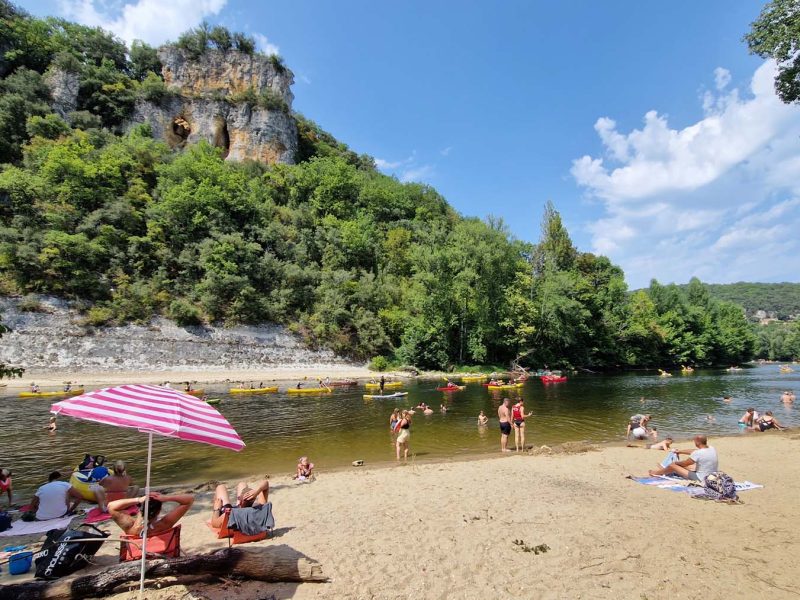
778,300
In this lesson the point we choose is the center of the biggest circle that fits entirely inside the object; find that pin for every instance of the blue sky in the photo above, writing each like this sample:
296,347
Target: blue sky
650,127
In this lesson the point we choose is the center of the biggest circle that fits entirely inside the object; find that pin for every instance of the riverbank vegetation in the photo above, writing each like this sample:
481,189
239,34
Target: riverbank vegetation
349,258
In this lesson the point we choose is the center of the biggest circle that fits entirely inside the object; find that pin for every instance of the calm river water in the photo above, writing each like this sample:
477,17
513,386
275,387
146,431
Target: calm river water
335,429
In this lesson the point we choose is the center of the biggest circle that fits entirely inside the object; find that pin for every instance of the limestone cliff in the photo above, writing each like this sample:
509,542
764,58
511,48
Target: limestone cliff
56,339
236,101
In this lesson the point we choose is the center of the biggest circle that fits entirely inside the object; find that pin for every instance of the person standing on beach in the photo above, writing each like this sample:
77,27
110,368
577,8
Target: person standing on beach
518,416
505,425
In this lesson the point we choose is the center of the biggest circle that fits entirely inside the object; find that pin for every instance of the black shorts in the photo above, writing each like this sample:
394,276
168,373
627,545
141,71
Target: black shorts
505,428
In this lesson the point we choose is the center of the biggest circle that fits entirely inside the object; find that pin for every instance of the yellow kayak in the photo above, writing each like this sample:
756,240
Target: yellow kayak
388,384
472,378
264,390
74,392
506,386
311,390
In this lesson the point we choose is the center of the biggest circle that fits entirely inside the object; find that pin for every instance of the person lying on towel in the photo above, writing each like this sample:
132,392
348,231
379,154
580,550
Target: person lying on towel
251,514
133,525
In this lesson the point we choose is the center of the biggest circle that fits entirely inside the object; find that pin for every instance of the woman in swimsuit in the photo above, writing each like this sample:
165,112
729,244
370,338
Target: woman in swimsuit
133,525
767,422
403,428
518,417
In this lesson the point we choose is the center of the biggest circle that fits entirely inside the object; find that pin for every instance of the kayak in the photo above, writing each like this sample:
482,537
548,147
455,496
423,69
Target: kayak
264,390
553,378
343,383
472,378
388,384
195,393
213,401
451,388
506,386
74,392
385,396
311,390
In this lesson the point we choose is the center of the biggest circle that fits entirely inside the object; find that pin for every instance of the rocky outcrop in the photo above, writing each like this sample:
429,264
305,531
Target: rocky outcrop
209,101
228,73
64,87
55,338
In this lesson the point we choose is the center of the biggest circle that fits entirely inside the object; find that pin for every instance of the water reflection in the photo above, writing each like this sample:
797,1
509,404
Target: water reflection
336,429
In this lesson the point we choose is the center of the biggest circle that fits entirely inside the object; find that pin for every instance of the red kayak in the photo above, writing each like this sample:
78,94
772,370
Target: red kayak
450,388
553,378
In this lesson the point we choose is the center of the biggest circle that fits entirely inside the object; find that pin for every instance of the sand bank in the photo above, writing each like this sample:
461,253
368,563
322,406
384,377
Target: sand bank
54,379
447,530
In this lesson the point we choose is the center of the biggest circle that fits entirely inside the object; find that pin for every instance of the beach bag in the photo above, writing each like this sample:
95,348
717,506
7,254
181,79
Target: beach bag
60,556
720,486
5,520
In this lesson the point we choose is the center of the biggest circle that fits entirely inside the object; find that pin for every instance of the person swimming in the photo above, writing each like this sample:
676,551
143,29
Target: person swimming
51,426
483,419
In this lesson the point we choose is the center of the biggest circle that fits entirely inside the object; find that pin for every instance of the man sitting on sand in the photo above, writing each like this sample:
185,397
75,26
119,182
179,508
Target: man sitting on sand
133,525
767,422
704,457
251,515
54,499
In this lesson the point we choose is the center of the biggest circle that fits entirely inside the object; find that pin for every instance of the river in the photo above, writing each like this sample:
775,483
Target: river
337,428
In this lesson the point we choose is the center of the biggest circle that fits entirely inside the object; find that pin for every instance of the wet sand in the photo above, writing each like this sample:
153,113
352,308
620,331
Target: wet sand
448,529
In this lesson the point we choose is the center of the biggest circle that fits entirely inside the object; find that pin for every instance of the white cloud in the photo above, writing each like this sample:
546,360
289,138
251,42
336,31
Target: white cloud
152,21
722,77
445,151
418,173
716,199
264,45
388,165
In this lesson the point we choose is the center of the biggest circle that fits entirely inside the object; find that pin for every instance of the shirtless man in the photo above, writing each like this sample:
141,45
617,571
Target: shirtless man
787,397
133,525
505,425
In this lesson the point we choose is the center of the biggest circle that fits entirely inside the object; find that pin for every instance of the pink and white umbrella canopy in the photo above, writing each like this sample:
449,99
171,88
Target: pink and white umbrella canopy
153,409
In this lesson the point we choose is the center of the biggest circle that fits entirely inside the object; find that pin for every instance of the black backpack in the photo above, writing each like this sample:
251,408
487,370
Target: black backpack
60,556
5,520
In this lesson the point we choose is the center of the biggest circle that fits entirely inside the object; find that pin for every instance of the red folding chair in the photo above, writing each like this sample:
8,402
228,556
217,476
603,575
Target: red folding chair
237,537
161,545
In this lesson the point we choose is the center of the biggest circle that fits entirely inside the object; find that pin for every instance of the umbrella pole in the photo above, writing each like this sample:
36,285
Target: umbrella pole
146,510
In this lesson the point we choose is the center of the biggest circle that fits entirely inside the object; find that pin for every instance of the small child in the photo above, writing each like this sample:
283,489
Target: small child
304,469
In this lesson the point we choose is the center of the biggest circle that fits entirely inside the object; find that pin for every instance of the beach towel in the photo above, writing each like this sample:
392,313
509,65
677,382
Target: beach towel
252,520
96,516
694,488
32,527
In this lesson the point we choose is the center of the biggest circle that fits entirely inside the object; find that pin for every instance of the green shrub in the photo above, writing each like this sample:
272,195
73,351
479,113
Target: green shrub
49,126
152,88
99,315
248,96
272,100
184,313
379,363
277,62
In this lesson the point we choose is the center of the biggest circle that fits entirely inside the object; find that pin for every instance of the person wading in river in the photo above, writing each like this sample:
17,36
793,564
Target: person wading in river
505,425
518,416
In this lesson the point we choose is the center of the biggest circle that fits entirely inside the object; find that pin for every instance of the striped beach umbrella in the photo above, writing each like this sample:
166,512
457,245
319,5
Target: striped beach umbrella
153,410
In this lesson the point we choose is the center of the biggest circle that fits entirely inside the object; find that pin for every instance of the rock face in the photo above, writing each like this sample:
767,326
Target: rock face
56,340
64,87
206,104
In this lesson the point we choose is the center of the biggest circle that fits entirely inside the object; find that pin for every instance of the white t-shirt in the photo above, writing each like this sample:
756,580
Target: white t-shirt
52,500
707,462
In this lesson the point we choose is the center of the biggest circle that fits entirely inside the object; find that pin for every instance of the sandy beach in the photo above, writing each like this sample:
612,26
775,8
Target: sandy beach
448,529
55,379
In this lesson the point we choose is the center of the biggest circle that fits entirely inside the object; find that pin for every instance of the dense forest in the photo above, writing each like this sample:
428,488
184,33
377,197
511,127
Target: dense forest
348,258
779,299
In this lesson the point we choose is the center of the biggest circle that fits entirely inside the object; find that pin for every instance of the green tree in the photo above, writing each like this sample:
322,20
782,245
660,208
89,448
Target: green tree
776,35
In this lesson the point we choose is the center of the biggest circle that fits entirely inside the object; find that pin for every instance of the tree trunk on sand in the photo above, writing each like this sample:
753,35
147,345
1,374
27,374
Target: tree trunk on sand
274,563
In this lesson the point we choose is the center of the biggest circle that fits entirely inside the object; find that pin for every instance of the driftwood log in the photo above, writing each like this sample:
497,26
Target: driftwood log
273,563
